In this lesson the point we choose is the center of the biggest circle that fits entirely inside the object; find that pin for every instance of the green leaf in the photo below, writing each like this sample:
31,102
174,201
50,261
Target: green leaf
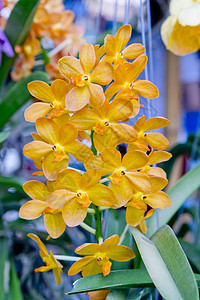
16,30
167,264
3,261
11,182
17,96
115,280
192,252
4,136
184,188
123,279
15,292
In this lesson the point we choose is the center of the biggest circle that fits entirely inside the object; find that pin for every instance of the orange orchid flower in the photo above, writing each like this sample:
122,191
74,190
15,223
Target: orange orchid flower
137,206
53,96
123,172
114,47
74,193
86,78
99,255
137,213
49,259
155,140
57,142
33,209
125,82
156,157
108,132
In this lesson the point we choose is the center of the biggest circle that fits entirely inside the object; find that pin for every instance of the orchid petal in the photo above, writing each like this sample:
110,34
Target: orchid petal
122,37
48,130
54,224
134,160
59,198
146,89
32,209
36,190
36,110
73,213
70,66
79,265
158,200
41,90
101,195
120,253
102,73
87,57
155,123
133,51
77,98
37,149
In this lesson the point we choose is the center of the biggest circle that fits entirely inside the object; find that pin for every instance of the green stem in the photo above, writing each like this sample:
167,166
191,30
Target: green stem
88,228
97,215
94,150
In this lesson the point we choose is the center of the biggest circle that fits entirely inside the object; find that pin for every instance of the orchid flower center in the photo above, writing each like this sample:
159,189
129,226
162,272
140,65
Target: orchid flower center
101,127
80,80
117,176
83,198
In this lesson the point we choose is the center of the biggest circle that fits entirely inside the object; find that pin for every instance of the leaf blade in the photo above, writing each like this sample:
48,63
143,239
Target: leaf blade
20,20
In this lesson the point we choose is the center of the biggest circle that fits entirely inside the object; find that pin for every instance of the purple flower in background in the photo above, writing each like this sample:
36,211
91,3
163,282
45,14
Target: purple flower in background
5,45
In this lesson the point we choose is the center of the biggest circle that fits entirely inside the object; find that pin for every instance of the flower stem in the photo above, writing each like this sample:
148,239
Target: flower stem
94,150
122,237
97,215
104,180
91,210
67,258
88,228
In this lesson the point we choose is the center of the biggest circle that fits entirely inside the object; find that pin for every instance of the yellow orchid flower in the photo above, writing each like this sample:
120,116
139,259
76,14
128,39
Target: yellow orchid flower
155,140
74,193
49,259
99,255
57,142
53,96
86,78
181,30
108,132
114,47
123,172
33,209
125,82
156,157
137,213
137,206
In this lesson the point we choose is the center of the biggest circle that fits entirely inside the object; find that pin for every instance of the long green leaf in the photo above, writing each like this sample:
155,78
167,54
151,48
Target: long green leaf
15,292
192,252
3,263
123,279
17,96
4,136
184,188
16,30
115,280
167,264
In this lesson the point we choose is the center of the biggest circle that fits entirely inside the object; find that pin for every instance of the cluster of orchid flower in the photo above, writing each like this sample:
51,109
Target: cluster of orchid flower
51,22
75,109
